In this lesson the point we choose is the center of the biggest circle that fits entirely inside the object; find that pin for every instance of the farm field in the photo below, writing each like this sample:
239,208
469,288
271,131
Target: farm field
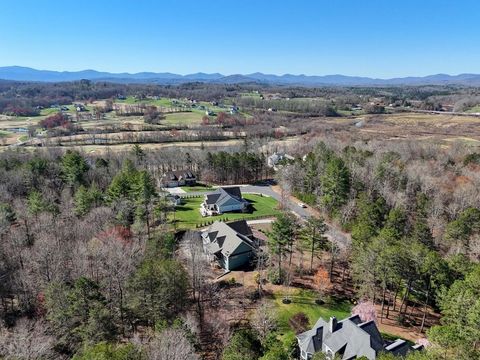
188,214
183,118
432,127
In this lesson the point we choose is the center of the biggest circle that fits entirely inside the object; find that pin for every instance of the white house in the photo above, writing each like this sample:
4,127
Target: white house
226,199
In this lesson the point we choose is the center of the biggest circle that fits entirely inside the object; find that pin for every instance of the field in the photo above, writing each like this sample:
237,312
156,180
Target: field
475,109
183,118
188,214
419,126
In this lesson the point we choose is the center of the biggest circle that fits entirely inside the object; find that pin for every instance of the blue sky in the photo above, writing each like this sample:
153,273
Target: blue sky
378,38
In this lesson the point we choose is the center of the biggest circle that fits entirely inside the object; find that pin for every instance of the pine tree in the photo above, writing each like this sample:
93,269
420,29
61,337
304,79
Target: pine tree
313,234
335,184
74,167
282,234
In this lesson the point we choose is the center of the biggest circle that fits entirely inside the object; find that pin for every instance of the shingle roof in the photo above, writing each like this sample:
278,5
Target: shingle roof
179,174
350,338
224,194
226,238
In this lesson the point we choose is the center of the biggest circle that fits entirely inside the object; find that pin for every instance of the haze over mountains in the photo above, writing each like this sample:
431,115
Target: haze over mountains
18,73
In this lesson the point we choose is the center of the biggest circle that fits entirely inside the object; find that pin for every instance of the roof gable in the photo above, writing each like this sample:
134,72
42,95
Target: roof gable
226,239
350,338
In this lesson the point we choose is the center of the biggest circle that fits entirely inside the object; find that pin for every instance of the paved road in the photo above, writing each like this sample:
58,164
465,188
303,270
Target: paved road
303,214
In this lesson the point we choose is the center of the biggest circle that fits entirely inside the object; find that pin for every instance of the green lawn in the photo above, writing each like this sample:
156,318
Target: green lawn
304,301
188,214
197,188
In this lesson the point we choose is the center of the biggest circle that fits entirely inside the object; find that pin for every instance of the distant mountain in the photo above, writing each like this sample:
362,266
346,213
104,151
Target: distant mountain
19,73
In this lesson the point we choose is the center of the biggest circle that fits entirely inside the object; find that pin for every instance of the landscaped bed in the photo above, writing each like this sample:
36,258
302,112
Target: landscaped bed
188,214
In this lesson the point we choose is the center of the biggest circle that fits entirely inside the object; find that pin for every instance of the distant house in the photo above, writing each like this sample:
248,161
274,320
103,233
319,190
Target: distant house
234,110
178,178
231,245
174,199
274,159
79,107
349,339
226,199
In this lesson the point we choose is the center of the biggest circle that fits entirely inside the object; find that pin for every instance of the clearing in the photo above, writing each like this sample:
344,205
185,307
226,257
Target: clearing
188,214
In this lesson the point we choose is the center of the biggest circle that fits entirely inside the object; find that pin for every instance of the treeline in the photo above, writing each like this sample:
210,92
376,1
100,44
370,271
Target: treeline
234,168
312,107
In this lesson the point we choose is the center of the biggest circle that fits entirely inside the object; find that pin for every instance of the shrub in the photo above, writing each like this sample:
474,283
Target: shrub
275,277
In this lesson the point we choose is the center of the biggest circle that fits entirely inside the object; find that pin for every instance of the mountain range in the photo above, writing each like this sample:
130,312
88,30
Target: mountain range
18,73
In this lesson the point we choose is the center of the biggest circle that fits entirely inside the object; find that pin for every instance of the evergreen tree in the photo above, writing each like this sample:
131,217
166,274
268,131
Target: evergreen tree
243,345
144,192
79,314
158,291
335,184
313,234
85,199
283,231
459,332
74,167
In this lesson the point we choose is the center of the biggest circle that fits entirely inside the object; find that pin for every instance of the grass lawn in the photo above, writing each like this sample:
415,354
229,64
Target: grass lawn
188,214
197,188
304,301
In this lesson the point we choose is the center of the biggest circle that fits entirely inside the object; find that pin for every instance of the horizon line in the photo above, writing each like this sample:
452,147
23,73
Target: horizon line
237,73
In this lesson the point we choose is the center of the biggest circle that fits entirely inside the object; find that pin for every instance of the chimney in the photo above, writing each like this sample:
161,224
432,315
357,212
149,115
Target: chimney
332,324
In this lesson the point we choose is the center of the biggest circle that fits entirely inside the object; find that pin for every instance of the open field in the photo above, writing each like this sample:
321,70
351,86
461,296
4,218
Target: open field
432,127
475,109
183,118
188,214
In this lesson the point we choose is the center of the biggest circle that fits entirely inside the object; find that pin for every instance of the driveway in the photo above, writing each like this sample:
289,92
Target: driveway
175,190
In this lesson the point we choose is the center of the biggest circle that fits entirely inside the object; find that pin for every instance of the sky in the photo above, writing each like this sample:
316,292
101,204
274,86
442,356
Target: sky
375,38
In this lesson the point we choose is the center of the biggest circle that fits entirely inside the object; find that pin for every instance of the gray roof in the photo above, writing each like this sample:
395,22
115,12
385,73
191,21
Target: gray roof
224,194
179,174
349,338
227,237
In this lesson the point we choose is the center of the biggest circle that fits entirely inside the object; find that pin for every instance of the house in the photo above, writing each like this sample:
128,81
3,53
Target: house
349,339
79,107
178,178
174,199
232,245
274,159
226,199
